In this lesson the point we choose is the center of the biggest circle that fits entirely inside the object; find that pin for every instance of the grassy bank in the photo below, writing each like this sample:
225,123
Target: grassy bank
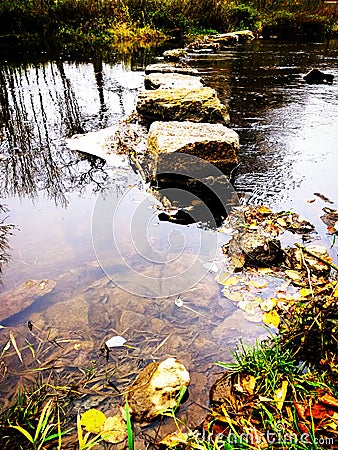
67,24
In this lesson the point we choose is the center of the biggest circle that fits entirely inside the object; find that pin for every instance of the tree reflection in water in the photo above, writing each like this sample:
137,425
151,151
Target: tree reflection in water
6,230
39,108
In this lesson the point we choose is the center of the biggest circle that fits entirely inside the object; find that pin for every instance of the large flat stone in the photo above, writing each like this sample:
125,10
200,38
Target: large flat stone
170,67
172,81
196,105
212,143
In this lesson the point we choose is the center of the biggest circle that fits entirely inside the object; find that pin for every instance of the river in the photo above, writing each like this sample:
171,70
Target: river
288,136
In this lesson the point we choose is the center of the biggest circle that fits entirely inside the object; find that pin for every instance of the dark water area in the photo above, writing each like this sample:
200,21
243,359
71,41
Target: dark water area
60,201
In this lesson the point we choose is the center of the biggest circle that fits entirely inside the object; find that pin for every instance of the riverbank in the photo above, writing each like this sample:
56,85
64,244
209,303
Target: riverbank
67,26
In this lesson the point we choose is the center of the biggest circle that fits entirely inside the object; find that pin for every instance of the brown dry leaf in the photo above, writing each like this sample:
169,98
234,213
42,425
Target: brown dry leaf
271,319
248,383
329,400
174,439
280,395
114,429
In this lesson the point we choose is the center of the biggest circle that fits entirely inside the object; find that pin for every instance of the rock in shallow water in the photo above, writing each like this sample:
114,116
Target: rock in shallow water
172,81
156,388
213,143
18,299
196,105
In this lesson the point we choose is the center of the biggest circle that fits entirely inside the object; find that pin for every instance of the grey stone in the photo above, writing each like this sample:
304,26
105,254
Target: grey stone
174,55
213,143
172,81
171,68
196,105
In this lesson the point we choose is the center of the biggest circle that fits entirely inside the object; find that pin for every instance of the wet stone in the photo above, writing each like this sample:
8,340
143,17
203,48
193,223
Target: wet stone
196,105
171,68
172,81
155,389
22,297
213,143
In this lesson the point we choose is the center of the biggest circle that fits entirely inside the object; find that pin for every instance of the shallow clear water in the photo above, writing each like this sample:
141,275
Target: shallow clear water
288,136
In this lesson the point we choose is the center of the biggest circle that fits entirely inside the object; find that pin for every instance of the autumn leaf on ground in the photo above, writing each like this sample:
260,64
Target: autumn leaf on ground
114,429
305,292
271,319
92,420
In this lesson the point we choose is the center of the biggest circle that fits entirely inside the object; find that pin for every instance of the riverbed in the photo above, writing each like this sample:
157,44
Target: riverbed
288,154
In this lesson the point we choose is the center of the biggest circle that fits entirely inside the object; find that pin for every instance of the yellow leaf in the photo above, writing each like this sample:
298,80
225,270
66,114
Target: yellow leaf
335,294
305,292
264,270
281,222
293,274
280,395
231,281
220,278
259,284
12,338
271,319
92,420
114,429
234,296
263,210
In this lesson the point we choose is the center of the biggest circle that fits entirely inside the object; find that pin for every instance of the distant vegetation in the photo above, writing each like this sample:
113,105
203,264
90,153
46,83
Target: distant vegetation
68,23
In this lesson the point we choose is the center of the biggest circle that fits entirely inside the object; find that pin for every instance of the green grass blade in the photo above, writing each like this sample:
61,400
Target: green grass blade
129,428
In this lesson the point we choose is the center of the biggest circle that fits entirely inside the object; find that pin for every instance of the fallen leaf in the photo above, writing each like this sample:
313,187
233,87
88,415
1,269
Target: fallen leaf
234,296
114,429
115,341
231,281
271,319
93,420
263,210
305,292
280,395
211,266
328,399
294,275
172,440
268,304
259,284
281,222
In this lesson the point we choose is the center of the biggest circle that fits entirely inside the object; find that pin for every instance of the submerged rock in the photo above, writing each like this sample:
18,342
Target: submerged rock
18,299
316,76
213,143
172,81
156,388
171,68
196,105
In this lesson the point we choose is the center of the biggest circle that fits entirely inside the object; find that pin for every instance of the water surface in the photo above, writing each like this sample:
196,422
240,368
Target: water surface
288,136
